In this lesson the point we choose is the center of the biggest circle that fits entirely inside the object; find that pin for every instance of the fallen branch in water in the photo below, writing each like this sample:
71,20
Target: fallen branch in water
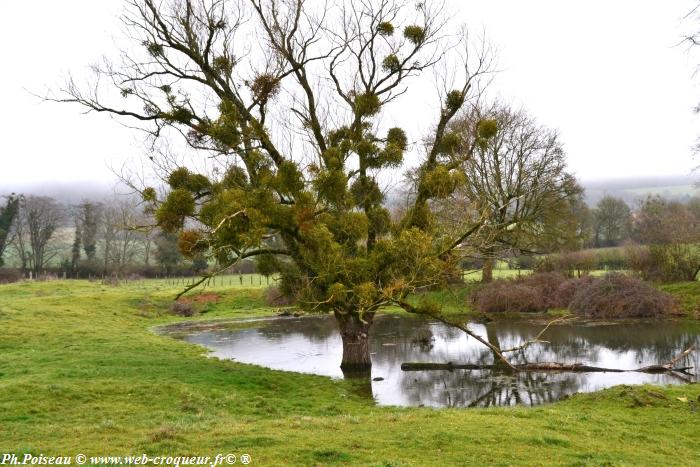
540,366
681,356
505,364
556,366
463,327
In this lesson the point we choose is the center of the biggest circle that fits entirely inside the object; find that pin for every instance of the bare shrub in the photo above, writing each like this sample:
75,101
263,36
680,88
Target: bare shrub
183,309
276,297
10,275
506,295
620,296
528,294
567,289
546,285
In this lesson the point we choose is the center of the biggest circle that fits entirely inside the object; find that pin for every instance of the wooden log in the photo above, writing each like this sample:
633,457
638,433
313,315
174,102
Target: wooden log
542,366
554,366
573,367
681,356
539,366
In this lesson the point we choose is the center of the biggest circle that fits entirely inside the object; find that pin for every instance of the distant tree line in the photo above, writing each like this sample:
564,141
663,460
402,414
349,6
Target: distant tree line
111,237
652,220
116,236
658,239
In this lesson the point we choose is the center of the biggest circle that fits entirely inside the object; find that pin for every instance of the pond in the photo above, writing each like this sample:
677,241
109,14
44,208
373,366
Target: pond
312,345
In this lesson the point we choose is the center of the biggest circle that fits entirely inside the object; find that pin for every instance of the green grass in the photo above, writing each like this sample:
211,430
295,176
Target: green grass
687,294
81,371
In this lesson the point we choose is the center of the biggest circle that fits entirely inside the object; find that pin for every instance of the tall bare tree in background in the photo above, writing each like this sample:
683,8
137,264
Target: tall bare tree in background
517,181
38,219
123,239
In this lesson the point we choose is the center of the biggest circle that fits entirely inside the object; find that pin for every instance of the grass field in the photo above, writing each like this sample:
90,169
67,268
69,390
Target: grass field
82,372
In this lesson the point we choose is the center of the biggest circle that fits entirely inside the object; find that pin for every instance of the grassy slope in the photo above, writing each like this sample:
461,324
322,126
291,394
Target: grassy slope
80,371
688,296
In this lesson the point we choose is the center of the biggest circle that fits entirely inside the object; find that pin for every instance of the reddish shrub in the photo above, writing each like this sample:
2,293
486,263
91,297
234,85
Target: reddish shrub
613,296
205,298
546,284
565,292
620,296
531,293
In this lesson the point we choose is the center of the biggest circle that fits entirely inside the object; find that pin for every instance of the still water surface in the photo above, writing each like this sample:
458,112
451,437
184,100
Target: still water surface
312,345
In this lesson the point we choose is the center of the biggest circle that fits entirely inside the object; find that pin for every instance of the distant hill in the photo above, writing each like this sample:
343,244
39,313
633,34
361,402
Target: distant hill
66,192
629,189
681,188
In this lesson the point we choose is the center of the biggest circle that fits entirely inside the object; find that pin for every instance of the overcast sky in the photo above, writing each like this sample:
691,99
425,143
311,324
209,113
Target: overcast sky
607,74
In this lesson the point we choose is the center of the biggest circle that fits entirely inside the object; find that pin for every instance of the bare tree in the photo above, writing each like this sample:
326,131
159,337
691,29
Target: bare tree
122,239
518,182
146,236
39,218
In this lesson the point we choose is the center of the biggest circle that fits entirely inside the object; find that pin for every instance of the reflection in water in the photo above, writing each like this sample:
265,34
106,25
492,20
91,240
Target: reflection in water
312,345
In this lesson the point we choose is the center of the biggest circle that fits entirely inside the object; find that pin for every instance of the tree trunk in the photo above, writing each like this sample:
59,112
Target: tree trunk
487,271
355,335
